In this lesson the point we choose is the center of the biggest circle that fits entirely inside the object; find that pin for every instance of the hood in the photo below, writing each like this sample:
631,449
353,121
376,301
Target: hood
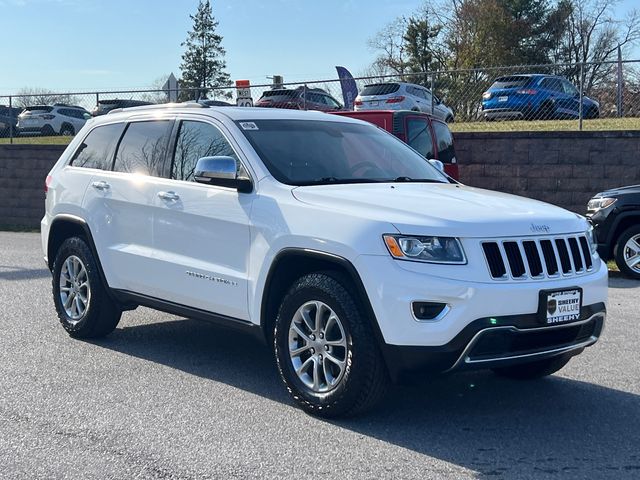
614,192
444,209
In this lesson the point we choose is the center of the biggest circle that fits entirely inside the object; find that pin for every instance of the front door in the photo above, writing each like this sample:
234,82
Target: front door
201,232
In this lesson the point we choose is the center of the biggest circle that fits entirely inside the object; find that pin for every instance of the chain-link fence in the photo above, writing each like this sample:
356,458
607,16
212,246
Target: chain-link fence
589,96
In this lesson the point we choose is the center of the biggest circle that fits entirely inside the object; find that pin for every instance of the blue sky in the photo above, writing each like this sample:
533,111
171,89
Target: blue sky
85,45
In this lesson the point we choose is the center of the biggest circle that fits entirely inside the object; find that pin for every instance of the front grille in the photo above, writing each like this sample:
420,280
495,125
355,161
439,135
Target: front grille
538,258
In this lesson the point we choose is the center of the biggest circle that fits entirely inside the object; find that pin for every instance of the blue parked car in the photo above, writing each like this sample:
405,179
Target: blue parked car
535,97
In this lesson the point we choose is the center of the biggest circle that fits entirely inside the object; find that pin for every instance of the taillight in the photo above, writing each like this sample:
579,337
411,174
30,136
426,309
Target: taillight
48,117
358,102
527,92
47,183
395,99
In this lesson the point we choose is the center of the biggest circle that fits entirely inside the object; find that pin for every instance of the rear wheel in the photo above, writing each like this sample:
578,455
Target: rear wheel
325,349
47,131
592,113
82,301
627,252
67,130
533,370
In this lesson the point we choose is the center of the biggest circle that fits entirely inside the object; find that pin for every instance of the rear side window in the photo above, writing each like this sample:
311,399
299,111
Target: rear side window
444,141
510,82
96,151
143,148
419,136
552,84
380,89
281,93
196,140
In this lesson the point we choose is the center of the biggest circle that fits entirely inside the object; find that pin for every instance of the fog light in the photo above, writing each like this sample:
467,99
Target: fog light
428,310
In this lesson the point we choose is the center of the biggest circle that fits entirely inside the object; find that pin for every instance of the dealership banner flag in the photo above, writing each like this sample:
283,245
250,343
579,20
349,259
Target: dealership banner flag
349,88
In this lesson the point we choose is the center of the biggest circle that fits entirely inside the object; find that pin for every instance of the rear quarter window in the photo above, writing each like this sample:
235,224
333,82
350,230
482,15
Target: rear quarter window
96,150
444,141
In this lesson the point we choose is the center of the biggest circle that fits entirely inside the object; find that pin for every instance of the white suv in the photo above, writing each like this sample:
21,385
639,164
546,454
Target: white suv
331,239
402,96
52,119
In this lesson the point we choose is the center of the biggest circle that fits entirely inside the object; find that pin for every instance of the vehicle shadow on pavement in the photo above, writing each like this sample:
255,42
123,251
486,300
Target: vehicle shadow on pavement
8,272
494,426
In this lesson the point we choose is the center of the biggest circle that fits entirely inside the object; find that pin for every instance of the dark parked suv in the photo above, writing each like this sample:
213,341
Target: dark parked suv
105,106
615,216
300,98
535,97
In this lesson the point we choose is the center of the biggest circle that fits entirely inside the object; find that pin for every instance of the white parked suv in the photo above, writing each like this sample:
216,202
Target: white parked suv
52,119
402,96
342,247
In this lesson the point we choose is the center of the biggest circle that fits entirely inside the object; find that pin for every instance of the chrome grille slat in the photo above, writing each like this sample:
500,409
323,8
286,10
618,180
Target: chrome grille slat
537,257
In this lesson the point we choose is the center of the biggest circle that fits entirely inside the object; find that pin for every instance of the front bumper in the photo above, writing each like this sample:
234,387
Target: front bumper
516,339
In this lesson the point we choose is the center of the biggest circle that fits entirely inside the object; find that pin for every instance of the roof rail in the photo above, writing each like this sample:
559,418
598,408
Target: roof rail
152,107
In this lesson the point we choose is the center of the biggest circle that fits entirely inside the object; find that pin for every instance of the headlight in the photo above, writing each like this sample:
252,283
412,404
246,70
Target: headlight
593,242
600,202
425,249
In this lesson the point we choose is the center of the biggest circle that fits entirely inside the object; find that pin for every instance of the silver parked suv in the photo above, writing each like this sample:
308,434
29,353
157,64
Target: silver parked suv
55,119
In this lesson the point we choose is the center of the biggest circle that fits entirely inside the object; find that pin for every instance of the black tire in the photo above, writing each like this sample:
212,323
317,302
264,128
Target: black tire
67,130
449,119
102,314
533,370
47,131
592,113
364,378
619,252
546,111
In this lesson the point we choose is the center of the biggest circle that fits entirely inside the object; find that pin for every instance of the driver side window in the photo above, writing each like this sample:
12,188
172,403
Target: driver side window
196,140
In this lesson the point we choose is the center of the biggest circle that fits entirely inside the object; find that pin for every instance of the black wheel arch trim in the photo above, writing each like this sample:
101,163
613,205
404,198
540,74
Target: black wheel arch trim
611,234
327,257
79,221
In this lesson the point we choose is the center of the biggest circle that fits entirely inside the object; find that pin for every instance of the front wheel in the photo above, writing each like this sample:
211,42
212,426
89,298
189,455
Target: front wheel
627,252
325,349
84,306
533,370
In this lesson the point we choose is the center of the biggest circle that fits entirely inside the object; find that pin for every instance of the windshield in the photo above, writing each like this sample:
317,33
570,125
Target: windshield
380,89
510,82
310,152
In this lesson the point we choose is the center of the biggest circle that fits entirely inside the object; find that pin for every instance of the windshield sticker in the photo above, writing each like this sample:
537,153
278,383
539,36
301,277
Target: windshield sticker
248,126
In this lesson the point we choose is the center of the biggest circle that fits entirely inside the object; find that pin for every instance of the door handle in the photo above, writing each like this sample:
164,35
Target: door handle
101,185
169,196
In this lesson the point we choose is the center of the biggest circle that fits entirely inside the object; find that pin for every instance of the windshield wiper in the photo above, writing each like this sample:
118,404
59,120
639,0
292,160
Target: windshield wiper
416,180
330,180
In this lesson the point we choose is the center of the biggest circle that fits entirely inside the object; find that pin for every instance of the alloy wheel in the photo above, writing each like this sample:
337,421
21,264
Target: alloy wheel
631,253
75,291
318,346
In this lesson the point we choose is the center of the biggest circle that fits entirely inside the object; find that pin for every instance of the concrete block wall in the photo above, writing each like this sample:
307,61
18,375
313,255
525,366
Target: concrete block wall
23,170
563,168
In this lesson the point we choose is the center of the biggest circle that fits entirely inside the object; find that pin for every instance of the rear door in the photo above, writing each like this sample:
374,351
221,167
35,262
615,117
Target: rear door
201,232
120,204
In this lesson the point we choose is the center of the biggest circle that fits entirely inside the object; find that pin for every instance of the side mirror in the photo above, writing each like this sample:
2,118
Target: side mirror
437,164
221,171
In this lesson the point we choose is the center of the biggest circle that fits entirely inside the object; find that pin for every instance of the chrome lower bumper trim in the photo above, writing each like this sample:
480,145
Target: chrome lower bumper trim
464,358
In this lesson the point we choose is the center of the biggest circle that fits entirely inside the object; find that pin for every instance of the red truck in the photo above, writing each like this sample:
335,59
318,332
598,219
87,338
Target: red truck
428,135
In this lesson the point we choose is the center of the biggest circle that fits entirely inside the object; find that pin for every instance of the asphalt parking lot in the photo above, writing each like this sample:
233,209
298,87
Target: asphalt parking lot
164,397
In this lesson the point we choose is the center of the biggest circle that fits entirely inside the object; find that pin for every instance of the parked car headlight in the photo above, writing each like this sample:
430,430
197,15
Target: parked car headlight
593,242
599,203
425,249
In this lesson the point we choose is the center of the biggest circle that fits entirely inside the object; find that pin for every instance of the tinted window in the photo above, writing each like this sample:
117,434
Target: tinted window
510,82
143,148
331,102
280,93
38,109
569,89
303,152
552,84
444,141
380,89
419,136
96,151
197,140
314,97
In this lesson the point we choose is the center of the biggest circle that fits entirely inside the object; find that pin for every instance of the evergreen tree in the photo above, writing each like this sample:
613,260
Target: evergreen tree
203,65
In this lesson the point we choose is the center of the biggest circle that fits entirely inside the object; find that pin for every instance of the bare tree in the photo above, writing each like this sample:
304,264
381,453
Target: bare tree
593,35
27,97
390,44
